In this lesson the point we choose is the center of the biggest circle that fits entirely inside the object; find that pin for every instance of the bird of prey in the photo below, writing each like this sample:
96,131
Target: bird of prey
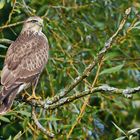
24,62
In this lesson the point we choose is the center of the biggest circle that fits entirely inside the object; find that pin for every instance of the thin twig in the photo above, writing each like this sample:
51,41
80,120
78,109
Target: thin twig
70,7
27,9
85,102
10,15
11,25
39,126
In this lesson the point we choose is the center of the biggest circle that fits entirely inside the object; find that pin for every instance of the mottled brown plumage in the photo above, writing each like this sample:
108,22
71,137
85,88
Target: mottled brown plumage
24,62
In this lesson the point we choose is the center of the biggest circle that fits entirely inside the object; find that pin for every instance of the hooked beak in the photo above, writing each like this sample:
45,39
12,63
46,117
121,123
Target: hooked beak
41,24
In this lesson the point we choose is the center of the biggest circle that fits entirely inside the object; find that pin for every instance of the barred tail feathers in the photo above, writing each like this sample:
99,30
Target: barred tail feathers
6,99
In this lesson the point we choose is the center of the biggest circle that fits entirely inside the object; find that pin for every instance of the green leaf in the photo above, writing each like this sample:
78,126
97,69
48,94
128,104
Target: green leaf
120,104
4,119
111,55
2,46
112,70
65,126
25,113
121,138
10,138
136,25
17,136
2,3
133,131
2,56
119,128
50,119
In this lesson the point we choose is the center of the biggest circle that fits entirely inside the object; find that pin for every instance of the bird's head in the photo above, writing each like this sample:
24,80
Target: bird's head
33,23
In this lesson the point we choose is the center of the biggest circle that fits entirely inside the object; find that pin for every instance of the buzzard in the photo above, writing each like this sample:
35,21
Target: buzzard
24,62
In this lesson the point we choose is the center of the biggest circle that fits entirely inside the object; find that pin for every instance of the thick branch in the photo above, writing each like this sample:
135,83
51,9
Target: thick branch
128,92
102,89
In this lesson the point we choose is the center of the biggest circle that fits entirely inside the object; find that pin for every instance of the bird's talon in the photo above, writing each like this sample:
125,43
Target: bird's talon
33,97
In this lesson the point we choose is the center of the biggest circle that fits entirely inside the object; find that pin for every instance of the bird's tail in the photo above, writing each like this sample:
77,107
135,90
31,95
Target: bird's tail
6,99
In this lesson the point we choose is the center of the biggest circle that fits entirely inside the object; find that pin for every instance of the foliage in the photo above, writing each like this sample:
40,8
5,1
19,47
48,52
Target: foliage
77,30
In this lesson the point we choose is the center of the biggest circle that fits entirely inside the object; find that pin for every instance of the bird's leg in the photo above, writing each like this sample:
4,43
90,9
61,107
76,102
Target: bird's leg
33,96
34,84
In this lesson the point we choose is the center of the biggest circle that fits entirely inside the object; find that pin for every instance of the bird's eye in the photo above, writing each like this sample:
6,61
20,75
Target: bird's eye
33,21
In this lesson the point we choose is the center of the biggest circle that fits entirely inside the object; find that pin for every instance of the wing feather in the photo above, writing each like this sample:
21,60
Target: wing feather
26,57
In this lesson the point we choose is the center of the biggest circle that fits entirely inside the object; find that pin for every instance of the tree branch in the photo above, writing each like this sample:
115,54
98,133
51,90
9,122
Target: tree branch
10,15
128,92
90,67
11,25
39,126
27,9
103,89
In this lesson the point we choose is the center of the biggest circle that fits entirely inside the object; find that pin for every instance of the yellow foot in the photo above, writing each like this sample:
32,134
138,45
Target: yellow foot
33,97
